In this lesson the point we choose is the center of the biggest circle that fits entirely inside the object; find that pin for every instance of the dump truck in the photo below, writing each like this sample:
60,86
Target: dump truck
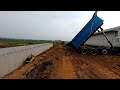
87,31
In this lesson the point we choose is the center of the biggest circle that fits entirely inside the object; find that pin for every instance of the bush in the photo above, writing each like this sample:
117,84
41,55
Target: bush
30,42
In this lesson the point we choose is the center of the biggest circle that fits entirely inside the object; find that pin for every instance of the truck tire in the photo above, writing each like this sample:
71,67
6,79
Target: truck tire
104,51
94,51
84,51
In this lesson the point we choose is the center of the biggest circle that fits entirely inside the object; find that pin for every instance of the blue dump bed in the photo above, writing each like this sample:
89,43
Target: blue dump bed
88,30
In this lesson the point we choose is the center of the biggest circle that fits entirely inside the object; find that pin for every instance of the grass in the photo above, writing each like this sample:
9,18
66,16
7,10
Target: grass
22,41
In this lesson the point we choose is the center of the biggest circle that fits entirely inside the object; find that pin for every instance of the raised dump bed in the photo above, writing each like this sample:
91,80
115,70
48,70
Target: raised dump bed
88,30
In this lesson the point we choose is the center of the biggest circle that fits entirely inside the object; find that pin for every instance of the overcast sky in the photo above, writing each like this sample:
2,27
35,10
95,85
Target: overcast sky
50,25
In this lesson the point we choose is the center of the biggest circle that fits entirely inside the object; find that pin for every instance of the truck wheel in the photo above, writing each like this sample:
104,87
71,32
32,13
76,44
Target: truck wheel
104,51
84,51
94,51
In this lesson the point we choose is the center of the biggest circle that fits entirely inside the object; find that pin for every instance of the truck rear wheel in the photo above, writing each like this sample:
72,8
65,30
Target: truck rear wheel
94,51
84,51
104,51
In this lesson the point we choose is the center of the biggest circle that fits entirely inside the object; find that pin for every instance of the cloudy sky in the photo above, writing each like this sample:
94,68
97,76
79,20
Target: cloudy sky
50,25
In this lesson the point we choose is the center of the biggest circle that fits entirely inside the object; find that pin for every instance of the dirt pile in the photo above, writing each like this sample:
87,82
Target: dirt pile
41,71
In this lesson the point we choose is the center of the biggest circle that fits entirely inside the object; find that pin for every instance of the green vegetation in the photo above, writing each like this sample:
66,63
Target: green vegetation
22,41
57,43
60,43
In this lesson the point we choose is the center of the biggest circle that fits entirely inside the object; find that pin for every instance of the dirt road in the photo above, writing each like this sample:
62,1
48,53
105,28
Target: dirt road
64,70
65,63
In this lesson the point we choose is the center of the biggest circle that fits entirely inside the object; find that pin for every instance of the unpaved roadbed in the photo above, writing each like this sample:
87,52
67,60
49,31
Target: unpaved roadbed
65,63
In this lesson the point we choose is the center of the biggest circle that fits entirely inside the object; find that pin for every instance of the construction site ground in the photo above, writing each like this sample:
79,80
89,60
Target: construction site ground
66,63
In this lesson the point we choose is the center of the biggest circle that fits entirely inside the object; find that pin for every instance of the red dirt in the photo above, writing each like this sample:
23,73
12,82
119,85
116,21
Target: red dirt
68,64
4,45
